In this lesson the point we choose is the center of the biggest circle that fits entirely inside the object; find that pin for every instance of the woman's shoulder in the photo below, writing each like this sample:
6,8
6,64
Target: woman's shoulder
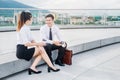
25,28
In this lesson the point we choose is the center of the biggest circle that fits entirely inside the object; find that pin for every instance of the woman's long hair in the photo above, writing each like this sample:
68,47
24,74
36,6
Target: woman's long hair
22,18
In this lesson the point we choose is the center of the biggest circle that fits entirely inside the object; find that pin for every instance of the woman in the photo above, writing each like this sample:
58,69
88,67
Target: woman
27,48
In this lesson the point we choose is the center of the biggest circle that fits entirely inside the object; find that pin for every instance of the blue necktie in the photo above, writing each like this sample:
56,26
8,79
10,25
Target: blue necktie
50,35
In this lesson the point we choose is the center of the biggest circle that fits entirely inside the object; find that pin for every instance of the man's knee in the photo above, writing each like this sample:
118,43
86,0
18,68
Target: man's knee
48,47
60,47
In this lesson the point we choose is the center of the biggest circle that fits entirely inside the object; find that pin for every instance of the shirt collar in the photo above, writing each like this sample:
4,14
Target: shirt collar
24,25
50,27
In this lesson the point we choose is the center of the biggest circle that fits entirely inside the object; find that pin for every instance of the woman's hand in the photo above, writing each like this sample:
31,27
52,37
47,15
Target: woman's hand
41,44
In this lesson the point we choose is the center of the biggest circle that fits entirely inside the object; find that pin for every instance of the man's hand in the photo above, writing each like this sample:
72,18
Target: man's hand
57,43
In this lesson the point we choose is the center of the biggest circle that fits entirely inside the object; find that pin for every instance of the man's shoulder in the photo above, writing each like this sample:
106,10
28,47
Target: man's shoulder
56,27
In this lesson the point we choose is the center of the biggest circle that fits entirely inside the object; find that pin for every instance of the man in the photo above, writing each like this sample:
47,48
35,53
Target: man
48,33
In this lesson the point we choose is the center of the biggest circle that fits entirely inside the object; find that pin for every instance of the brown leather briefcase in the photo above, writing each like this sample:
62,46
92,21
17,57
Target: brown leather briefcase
67,58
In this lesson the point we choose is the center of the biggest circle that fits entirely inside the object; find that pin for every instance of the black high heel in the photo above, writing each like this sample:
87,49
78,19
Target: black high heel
30,71
49,69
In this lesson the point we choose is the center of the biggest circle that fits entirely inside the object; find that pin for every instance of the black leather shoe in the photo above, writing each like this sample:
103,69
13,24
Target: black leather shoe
61,61
30,71
49,69
58,62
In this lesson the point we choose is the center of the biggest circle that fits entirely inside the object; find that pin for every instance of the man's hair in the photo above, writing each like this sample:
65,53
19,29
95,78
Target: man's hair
50,15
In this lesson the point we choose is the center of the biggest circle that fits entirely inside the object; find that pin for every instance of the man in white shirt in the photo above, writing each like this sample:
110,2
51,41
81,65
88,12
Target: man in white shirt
48,32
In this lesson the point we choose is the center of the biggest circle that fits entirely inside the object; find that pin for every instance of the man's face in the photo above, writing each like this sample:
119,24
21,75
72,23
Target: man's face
49,21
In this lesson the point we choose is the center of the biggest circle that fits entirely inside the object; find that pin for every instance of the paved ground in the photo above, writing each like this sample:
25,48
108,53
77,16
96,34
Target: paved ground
98,64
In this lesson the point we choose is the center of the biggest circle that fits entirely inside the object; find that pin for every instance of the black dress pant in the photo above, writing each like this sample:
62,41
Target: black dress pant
50,47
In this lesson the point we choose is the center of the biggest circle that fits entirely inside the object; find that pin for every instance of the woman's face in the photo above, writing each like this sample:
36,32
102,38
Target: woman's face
29,22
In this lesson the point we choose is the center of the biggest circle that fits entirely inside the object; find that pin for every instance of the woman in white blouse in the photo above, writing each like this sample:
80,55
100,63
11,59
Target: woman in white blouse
27,48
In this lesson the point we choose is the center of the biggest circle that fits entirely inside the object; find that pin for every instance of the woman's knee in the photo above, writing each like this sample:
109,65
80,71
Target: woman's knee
42,50
36,53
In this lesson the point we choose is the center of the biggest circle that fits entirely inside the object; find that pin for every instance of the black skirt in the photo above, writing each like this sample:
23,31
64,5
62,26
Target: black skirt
23,53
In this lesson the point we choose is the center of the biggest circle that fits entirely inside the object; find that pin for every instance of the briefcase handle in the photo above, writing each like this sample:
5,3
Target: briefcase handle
65,45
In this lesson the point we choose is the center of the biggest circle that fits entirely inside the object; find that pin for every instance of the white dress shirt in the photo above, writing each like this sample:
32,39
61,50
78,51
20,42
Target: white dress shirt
24,35
44,33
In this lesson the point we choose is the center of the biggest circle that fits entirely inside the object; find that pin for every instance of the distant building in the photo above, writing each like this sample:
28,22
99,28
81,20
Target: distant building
76,20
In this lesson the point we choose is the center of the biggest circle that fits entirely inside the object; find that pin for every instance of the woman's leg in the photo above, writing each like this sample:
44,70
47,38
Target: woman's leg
46,58
37,57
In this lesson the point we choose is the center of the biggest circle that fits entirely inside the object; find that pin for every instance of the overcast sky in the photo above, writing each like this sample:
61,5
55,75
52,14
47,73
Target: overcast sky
73,4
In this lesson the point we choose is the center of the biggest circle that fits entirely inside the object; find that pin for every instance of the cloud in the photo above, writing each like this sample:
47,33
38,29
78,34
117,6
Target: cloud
72,4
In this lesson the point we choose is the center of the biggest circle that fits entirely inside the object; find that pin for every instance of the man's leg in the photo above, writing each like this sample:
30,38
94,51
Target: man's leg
61,52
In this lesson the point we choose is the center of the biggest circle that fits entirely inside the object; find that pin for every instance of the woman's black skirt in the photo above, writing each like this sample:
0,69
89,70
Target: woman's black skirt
23,53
